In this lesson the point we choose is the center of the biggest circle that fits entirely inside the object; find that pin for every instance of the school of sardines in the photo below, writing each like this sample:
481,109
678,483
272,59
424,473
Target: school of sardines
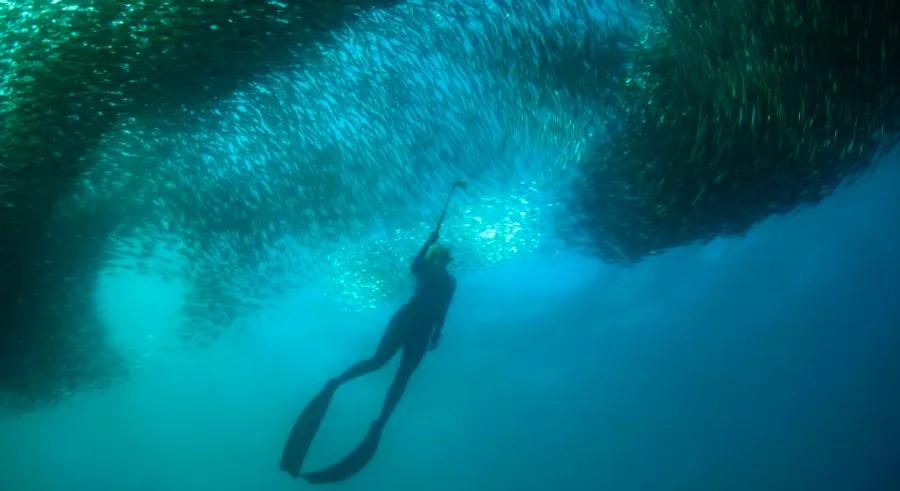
247,148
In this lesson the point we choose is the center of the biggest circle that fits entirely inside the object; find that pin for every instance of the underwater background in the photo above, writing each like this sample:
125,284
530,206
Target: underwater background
677,253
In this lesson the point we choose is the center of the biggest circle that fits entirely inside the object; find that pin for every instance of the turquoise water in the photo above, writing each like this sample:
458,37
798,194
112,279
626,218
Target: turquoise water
768,361
205,234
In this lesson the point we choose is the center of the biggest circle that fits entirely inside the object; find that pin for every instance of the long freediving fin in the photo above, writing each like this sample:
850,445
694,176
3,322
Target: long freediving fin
304,431
351,464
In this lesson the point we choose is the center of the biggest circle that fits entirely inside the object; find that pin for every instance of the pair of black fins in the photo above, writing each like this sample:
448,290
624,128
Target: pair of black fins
302,436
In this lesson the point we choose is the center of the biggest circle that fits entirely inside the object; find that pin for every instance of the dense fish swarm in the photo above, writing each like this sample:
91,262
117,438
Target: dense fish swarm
70,71
333,167
336,170
73,69
739,109
249,148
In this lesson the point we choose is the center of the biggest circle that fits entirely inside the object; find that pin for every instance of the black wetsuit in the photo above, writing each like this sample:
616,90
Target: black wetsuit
410,329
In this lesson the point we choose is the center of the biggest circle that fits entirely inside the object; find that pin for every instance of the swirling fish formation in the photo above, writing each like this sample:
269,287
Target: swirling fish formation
247,148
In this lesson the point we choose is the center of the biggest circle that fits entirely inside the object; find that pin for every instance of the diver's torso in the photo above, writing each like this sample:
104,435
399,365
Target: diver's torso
434,290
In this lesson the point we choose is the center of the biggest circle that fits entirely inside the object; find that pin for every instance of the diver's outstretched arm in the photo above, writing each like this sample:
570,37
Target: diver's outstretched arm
418,264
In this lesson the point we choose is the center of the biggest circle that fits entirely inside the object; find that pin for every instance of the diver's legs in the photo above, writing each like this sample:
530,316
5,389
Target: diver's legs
391,342
413,353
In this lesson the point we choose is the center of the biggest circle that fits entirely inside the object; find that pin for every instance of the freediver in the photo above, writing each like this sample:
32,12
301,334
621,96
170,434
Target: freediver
415,328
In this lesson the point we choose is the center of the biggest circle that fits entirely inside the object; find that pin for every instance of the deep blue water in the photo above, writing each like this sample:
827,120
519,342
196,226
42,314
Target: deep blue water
768,361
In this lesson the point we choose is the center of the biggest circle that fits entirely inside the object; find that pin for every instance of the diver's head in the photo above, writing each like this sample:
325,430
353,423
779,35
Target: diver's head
439,255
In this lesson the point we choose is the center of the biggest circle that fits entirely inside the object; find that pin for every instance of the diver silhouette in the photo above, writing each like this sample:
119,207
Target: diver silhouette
414,328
